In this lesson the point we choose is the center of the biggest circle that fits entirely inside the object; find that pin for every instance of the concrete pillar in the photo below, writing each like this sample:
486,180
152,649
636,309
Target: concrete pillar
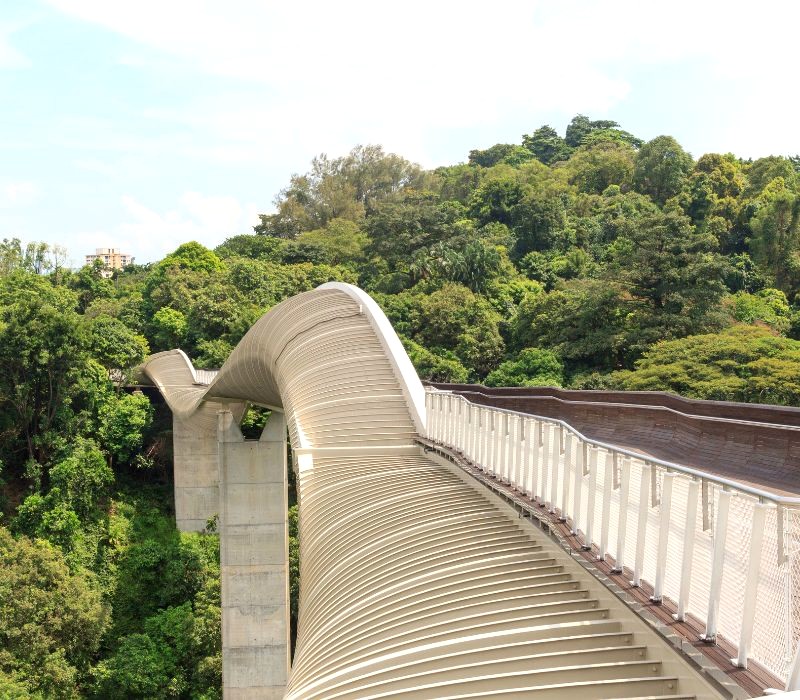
196,473
254,560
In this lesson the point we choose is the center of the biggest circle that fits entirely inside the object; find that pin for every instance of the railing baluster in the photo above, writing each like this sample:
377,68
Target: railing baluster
555,451
567,469
622,522
751,585
529,457
542,449
580,465
717,564
688,549
608,486
644,493
663,536
592,494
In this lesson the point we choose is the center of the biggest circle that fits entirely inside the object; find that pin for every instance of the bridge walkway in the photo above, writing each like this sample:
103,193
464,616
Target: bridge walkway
435,588
685,635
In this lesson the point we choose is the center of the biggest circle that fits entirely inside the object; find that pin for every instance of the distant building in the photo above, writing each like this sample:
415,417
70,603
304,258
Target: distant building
111,258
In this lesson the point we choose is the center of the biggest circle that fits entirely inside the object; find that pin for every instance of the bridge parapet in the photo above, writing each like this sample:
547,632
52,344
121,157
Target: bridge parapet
724,552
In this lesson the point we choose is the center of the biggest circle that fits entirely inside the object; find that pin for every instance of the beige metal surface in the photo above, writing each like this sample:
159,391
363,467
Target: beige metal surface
415,581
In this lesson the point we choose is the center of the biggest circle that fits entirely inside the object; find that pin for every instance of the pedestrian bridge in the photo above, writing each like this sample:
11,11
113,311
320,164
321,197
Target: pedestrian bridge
456,550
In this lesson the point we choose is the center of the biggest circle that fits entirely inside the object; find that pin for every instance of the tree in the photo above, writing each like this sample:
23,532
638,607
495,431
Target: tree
343,188
341,240
169,328
546,145
51,618
491,156
743,363
538,223
767,306
776,234
42,351
593,168
533,367
496,199
583,323
674,276
453,318
660,169
582,130
124,420
415,220
114,345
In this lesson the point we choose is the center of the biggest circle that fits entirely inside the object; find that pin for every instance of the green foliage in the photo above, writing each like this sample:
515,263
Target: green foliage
595,167
546,145
125,419
457,319
743,363
169,328
435,366
532,367
114,345
768,306
582,322
51,618
661,167
342,241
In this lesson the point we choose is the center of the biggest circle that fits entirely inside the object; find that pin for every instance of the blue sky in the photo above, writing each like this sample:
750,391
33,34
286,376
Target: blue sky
146,124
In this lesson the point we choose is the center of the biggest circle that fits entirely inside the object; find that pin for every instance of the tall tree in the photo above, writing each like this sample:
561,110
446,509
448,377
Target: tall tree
661,168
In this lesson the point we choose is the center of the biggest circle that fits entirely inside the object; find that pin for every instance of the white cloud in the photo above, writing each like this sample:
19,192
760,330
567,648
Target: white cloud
17,194
319,75
150,234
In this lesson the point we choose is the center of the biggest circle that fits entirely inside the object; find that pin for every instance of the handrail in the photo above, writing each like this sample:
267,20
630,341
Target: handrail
724,582
761,494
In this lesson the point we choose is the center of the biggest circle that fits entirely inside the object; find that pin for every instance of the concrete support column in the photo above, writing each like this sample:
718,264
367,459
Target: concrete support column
254,560
196,474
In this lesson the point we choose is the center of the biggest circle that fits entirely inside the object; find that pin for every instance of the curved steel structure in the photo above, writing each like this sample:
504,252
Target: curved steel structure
416,581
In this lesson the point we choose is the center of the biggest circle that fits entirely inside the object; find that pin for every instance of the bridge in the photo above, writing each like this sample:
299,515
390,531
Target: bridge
452,547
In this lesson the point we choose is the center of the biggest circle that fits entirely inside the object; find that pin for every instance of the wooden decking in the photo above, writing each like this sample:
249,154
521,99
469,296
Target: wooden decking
755,445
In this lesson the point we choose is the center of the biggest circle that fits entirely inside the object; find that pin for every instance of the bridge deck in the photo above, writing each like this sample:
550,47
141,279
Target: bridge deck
434,588
754,680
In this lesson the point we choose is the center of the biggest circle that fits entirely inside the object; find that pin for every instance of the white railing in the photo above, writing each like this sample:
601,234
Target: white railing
722,551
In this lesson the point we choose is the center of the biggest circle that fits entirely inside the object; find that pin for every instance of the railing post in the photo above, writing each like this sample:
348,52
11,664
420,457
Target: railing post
717,564
751,584
472,435
520,445
567,469
555,450
663,536
580,465
793,681
500,438
587,545
498,445
543,457
529,457
506,463
688,550
605,518
644,493
447,408
622,522
486,439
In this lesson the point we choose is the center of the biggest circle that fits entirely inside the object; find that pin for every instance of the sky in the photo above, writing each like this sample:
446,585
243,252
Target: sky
142,125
